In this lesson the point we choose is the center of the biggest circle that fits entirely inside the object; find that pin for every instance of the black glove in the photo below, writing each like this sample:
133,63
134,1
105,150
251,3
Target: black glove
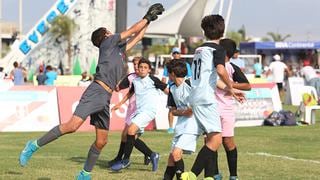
153,12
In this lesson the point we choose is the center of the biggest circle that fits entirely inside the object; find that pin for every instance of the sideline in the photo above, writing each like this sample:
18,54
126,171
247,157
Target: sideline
283,157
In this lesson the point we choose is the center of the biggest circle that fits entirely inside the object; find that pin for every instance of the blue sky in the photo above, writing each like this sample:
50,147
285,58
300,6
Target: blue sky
296,17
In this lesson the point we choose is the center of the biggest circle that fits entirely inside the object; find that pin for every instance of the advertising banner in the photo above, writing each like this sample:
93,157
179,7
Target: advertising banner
28,108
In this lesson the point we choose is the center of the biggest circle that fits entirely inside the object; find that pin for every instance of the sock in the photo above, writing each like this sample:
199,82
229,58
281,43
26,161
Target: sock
129,146
93,155
200,161
232,157
179,168
121,151
169,173
142,147
211,166
50,136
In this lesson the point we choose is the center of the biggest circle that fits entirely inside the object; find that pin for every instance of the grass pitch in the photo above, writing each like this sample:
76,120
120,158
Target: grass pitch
264,153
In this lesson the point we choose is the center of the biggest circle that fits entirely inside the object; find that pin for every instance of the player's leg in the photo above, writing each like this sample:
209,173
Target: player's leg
170,170
170,119
121,146
228,123
208,119
93,154
32,146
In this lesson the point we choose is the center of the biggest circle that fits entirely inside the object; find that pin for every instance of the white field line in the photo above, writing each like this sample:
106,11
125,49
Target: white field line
283,157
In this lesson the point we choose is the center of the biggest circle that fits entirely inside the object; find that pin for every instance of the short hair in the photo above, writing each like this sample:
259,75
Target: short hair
49,68
229,46
213,26
136,58
145,61
178,67
15,64
98,36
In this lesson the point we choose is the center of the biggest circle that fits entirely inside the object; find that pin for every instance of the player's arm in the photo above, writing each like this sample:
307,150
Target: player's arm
160,85
124,83
240,80
124,99
136,38
181,112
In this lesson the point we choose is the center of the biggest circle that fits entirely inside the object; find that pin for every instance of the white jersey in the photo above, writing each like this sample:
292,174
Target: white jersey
204,74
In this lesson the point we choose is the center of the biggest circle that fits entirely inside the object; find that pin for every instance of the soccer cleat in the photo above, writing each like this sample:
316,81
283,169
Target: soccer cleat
120,165
27,152
155,160
113,161
233,178
188,176
170,130
84,175
147,160
217,177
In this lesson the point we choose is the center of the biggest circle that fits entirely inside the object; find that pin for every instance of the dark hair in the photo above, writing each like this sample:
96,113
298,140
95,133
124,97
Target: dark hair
98,36
213,26
145,61
229,45
15,64
178,67
1,69
48,68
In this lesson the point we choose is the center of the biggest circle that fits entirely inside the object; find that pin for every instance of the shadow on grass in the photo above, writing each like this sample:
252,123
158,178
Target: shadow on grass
43,178
104,164
13,172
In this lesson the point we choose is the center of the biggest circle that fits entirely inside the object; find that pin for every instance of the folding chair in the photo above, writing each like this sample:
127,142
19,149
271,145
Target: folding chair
309,111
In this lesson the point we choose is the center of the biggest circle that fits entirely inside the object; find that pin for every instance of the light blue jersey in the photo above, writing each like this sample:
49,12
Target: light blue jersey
178,98
146,93
204,74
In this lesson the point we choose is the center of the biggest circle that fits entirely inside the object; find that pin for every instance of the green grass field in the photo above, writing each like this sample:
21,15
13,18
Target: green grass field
264,153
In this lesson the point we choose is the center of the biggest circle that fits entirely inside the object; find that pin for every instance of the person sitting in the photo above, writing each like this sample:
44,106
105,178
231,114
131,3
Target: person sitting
310,76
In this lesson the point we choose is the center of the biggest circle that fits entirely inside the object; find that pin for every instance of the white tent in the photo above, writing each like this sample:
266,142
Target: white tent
182,19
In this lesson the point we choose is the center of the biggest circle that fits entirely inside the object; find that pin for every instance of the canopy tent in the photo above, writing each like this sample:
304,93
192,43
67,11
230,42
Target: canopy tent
182,19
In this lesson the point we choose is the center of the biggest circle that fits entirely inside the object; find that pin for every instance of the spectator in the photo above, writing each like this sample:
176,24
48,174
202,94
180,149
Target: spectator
51,76
310,76
2,74
85,80
257,67
238,61
278,69
17,74
41,77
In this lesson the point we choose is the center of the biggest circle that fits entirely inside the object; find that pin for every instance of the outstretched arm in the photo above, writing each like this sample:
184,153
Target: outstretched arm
125,98
136,38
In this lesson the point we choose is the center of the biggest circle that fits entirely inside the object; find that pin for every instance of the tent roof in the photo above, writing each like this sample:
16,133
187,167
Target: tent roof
183,18
281,45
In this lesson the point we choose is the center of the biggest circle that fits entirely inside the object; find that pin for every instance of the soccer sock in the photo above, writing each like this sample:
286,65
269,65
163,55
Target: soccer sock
121,150
179,168
211,167
129,146
142,147
200,161
232,157
50,136
169,173
93,155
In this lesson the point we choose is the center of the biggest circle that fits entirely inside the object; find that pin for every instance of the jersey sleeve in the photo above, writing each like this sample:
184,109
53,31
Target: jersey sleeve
170,101
124,83
131,90
238,75
219,57
158,84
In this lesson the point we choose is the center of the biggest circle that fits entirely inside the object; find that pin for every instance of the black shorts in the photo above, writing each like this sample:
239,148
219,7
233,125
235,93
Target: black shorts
95,101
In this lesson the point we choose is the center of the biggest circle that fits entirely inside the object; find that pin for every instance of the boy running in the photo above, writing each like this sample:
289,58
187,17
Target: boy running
95,100
145,88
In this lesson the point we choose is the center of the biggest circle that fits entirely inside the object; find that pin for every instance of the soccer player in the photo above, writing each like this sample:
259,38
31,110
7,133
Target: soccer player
226,109
145,88
186,129
208,62
95,100
140,145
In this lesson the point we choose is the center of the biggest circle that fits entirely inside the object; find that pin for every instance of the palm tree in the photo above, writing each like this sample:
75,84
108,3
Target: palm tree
277,37
63,27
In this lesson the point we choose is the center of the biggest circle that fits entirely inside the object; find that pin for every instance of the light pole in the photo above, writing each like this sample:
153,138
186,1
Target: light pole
20,19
